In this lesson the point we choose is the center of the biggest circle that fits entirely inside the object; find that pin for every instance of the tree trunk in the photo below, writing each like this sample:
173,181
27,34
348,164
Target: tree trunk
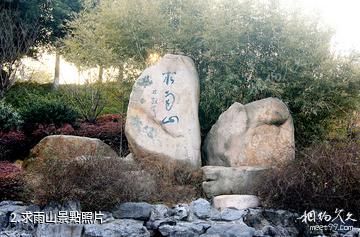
4,82
101,74
121,73
57,72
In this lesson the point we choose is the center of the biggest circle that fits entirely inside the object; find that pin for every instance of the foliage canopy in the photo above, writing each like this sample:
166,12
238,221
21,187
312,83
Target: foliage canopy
244,51
26,26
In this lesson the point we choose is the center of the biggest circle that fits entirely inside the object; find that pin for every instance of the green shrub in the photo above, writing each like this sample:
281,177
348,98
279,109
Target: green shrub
114,96
94,99
9,117
88,99
117,95
43,111
23,93
324,177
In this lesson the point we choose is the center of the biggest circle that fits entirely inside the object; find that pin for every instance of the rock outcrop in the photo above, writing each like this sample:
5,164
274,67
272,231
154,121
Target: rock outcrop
70,147
260,133
162,117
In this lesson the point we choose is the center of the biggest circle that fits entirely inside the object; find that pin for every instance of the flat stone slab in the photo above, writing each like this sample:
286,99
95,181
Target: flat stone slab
239,202
132,210
219,180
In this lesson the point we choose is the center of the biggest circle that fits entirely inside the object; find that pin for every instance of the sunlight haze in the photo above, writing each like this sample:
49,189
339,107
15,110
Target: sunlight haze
342,15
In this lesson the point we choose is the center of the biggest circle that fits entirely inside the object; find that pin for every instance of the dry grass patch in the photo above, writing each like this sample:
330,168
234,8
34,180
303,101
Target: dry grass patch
322,177
100,183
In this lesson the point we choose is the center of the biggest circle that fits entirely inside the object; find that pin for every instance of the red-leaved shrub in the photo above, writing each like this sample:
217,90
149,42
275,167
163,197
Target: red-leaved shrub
13,145
110,129
109,118
11,182
43,130
66,129
16,145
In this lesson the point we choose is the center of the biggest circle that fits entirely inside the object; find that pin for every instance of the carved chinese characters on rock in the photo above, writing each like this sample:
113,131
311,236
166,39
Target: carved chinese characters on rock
169,79
162,118
168,97
154,102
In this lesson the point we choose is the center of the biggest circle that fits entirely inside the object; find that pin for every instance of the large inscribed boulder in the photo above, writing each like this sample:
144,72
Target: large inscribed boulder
260,133
162,117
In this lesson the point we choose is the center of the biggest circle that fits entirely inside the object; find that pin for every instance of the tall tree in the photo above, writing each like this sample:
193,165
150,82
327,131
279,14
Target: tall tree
22,27
26,26
62,11
107,35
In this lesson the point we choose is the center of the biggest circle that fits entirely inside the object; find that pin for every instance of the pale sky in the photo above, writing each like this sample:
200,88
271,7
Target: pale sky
342,15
